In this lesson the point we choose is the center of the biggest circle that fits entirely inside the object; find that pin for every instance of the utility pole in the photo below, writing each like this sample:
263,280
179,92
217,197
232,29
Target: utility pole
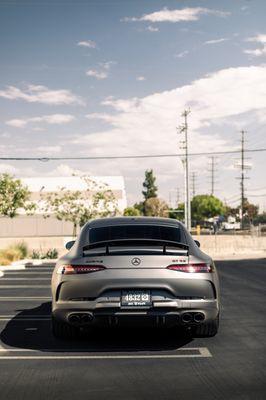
184,129
212,171
193,179
177,197
242,177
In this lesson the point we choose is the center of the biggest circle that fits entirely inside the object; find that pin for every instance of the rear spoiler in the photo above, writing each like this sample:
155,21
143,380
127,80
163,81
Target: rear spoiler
135,242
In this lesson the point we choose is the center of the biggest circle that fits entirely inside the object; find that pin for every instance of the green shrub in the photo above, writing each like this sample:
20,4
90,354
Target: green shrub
51,253
23,248
38,254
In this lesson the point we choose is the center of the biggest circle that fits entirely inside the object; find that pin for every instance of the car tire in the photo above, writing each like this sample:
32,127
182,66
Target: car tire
62,330
207,329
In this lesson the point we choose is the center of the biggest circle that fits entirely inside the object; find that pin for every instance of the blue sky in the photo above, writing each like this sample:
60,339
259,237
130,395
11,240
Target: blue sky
112,78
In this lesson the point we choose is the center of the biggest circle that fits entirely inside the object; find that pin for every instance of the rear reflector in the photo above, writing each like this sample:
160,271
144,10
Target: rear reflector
202,267
79,269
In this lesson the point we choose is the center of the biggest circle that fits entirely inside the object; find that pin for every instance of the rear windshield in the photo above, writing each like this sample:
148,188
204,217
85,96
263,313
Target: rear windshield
136,232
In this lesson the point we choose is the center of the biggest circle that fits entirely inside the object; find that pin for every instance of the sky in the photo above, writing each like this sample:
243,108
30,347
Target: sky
113,77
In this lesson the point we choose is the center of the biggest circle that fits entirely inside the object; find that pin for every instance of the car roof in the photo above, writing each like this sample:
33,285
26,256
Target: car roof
112,221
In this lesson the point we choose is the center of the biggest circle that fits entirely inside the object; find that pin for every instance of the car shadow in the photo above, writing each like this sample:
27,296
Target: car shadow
30,329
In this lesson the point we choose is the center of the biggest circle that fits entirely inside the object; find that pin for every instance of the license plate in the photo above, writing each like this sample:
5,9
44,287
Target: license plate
136,298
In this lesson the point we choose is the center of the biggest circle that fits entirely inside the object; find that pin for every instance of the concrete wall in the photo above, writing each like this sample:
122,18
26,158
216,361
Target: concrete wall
220,245
231,244
32,226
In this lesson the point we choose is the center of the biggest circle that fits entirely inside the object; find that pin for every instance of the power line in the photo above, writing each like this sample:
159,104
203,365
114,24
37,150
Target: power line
46,159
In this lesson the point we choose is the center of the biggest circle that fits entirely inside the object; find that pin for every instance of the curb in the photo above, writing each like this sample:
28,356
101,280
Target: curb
23,264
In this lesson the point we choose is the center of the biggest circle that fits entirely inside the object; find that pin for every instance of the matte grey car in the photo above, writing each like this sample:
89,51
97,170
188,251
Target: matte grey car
135,271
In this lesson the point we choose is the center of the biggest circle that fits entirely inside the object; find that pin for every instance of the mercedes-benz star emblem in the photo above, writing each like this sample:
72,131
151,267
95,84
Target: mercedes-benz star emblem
135,261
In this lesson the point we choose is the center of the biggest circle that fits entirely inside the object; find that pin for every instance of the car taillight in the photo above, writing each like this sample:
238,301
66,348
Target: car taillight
192,268
79,269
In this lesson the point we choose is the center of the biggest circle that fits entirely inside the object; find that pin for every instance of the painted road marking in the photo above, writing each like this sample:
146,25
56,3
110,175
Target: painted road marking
25,272
6,298
24,286
26,316
25,279
180,353
26,319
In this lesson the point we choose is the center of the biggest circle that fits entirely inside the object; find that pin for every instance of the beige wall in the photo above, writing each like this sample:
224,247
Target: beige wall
213,245
231,244
35,225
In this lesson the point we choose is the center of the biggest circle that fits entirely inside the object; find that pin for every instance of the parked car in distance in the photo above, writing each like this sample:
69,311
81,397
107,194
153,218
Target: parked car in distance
141,271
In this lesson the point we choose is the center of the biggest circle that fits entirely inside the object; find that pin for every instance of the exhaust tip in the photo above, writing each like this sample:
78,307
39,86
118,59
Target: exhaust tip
86,318
74,319
186,318
199,317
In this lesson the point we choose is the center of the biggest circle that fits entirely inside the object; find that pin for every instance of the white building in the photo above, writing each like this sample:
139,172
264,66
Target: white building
36,226
38,186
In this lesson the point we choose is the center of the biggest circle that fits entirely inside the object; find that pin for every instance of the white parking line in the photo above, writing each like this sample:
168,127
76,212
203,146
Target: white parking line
9,316
24,286
25,319
25,279
180,353
24,272
19,298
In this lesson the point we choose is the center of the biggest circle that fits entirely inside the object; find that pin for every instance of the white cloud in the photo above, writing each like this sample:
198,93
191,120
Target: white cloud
41,94
56,119
214,41
97,74
87,43
49,149
101,73
138,123
260,38
107,65
66,170
258,52
152,29
177,15
141,78
7,168
182,54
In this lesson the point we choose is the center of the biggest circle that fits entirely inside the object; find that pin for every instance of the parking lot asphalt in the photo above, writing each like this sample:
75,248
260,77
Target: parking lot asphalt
135,363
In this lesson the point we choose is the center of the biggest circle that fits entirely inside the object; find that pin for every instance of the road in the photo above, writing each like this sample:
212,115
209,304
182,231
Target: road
136,364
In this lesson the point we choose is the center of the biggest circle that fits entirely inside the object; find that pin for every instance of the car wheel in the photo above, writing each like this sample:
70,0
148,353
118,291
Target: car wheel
207,329
63,330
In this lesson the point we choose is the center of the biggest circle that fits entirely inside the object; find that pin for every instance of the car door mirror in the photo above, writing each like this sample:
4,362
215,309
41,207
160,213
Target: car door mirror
197,243
70,244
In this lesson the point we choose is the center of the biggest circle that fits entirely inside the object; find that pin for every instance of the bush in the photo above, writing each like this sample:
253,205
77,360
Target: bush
13,252
23,248
38,254
51,253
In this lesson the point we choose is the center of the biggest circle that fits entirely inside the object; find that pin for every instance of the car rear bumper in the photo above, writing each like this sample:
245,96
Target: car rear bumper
168,313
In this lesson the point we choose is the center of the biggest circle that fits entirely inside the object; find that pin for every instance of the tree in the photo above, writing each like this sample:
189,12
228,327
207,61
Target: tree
150,189
206,206
131,212
250,210
155,207
140,207
260,219
80,206
177,213
13,195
